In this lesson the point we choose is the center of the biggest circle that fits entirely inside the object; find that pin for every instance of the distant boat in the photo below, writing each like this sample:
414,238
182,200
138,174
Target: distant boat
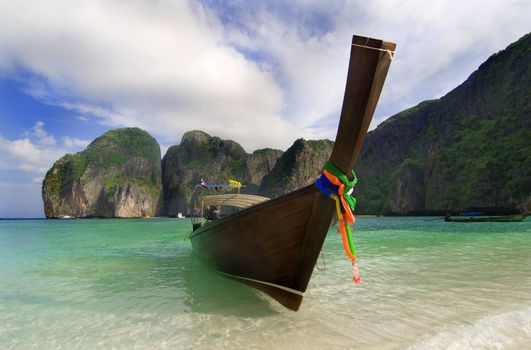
273,245
497,218
65,217
472,213
180,216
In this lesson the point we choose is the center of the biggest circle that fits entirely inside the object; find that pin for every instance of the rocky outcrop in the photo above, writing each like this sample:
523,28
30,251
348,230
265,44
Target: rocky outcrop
408,196
201,156
297,167
267,172
117,175
260,163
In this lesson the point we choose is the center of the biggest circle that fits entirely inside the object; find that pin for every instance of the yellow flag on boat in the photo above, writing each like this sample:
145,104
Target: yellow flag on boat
235,183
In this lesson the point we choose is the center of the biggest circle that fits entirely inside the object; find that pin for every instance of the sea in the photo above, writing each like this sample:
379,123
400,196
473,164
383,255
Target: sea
137,284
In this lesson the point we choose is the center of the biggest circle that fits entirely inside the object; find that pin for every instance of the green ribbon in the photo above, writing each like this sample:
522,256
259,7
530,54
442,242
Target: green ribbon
351,241
349,184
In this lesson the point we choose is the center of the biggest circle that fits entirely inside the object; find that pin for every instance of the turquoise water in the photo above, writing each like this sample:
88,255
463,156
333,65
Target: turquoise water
135,284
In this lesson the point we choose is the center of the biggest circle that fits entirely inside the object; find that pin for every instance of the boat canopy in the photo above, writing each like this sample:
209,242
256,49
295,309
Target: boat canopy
241,201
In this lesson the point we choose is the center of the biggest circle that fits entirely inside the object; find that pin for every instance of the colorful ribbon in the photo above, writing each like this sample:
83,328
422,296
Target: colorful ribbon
334,184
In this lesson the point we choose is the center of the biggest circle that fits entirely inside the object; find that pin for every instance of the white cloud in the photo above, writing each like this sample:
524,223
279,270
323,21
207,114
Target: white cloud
439,44
162,66
42,136
268,73
22,154
35,152
74,142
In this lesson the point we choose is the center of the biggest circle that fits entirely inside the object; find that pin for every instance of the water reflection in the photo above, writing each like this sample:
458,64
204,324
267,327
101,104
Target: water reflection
144,277
209,292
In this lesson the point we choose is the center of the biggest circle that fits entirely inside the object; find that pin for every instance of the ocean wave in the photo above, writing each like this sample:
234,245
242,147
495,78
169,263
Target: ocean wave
511,330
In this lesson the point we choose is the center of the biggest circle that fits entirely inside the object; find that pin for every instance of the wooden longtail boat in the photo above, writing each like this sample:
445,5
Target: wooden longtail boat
498,218
273,246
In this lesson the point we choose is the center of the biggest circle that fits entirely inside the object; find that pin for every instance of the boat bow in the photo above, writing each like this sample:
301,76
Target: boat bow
274,245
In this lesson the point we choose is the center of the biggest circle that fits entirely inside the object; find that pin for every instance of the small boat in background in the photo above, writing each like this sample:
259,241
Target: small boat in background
273,245
495,218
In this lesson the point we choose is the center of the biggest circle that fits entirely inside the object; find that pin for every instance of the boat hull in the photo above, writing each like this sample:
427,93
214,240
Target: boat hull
272,246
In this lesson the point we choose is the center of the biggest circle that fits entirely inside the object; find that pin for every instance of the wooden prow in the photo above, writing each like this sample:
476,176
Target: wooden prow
273,246
369,62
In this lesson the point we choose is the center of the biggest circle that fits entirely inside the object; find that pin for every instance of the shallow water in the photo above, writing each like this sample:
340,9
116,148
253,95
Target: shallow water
136,284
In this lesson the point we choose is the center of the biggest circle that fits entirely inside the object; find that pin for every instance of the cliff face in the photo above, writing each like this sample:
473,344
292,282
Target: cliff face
407,196
469,149
201,156
297,167
267,172
117,175
259,164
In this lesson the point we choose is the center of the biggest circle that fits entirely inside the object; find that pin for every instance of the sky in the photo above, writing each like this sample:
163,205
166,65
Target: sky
262,73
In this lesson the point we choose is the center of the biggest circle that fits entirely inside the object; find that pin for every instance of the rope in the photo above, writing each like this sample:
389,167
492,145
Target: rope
391,53
324,263
336,185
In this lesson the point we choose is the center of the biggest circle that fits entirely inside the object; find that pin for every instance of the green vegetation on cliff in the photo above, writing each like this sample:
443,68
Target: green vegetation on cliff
59,177
471,146
200,155
118,174
116,147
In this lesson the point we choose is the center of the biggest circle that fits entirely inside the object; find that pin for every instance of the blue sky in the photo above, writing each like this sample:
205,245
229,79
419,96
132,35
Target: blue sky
262,73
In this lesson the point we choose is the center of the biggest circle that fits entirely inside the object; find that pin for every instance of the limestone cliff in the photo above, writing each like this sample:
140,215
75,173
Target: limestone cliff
297,167
468,149
407,196
260,163
117,175
200,155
